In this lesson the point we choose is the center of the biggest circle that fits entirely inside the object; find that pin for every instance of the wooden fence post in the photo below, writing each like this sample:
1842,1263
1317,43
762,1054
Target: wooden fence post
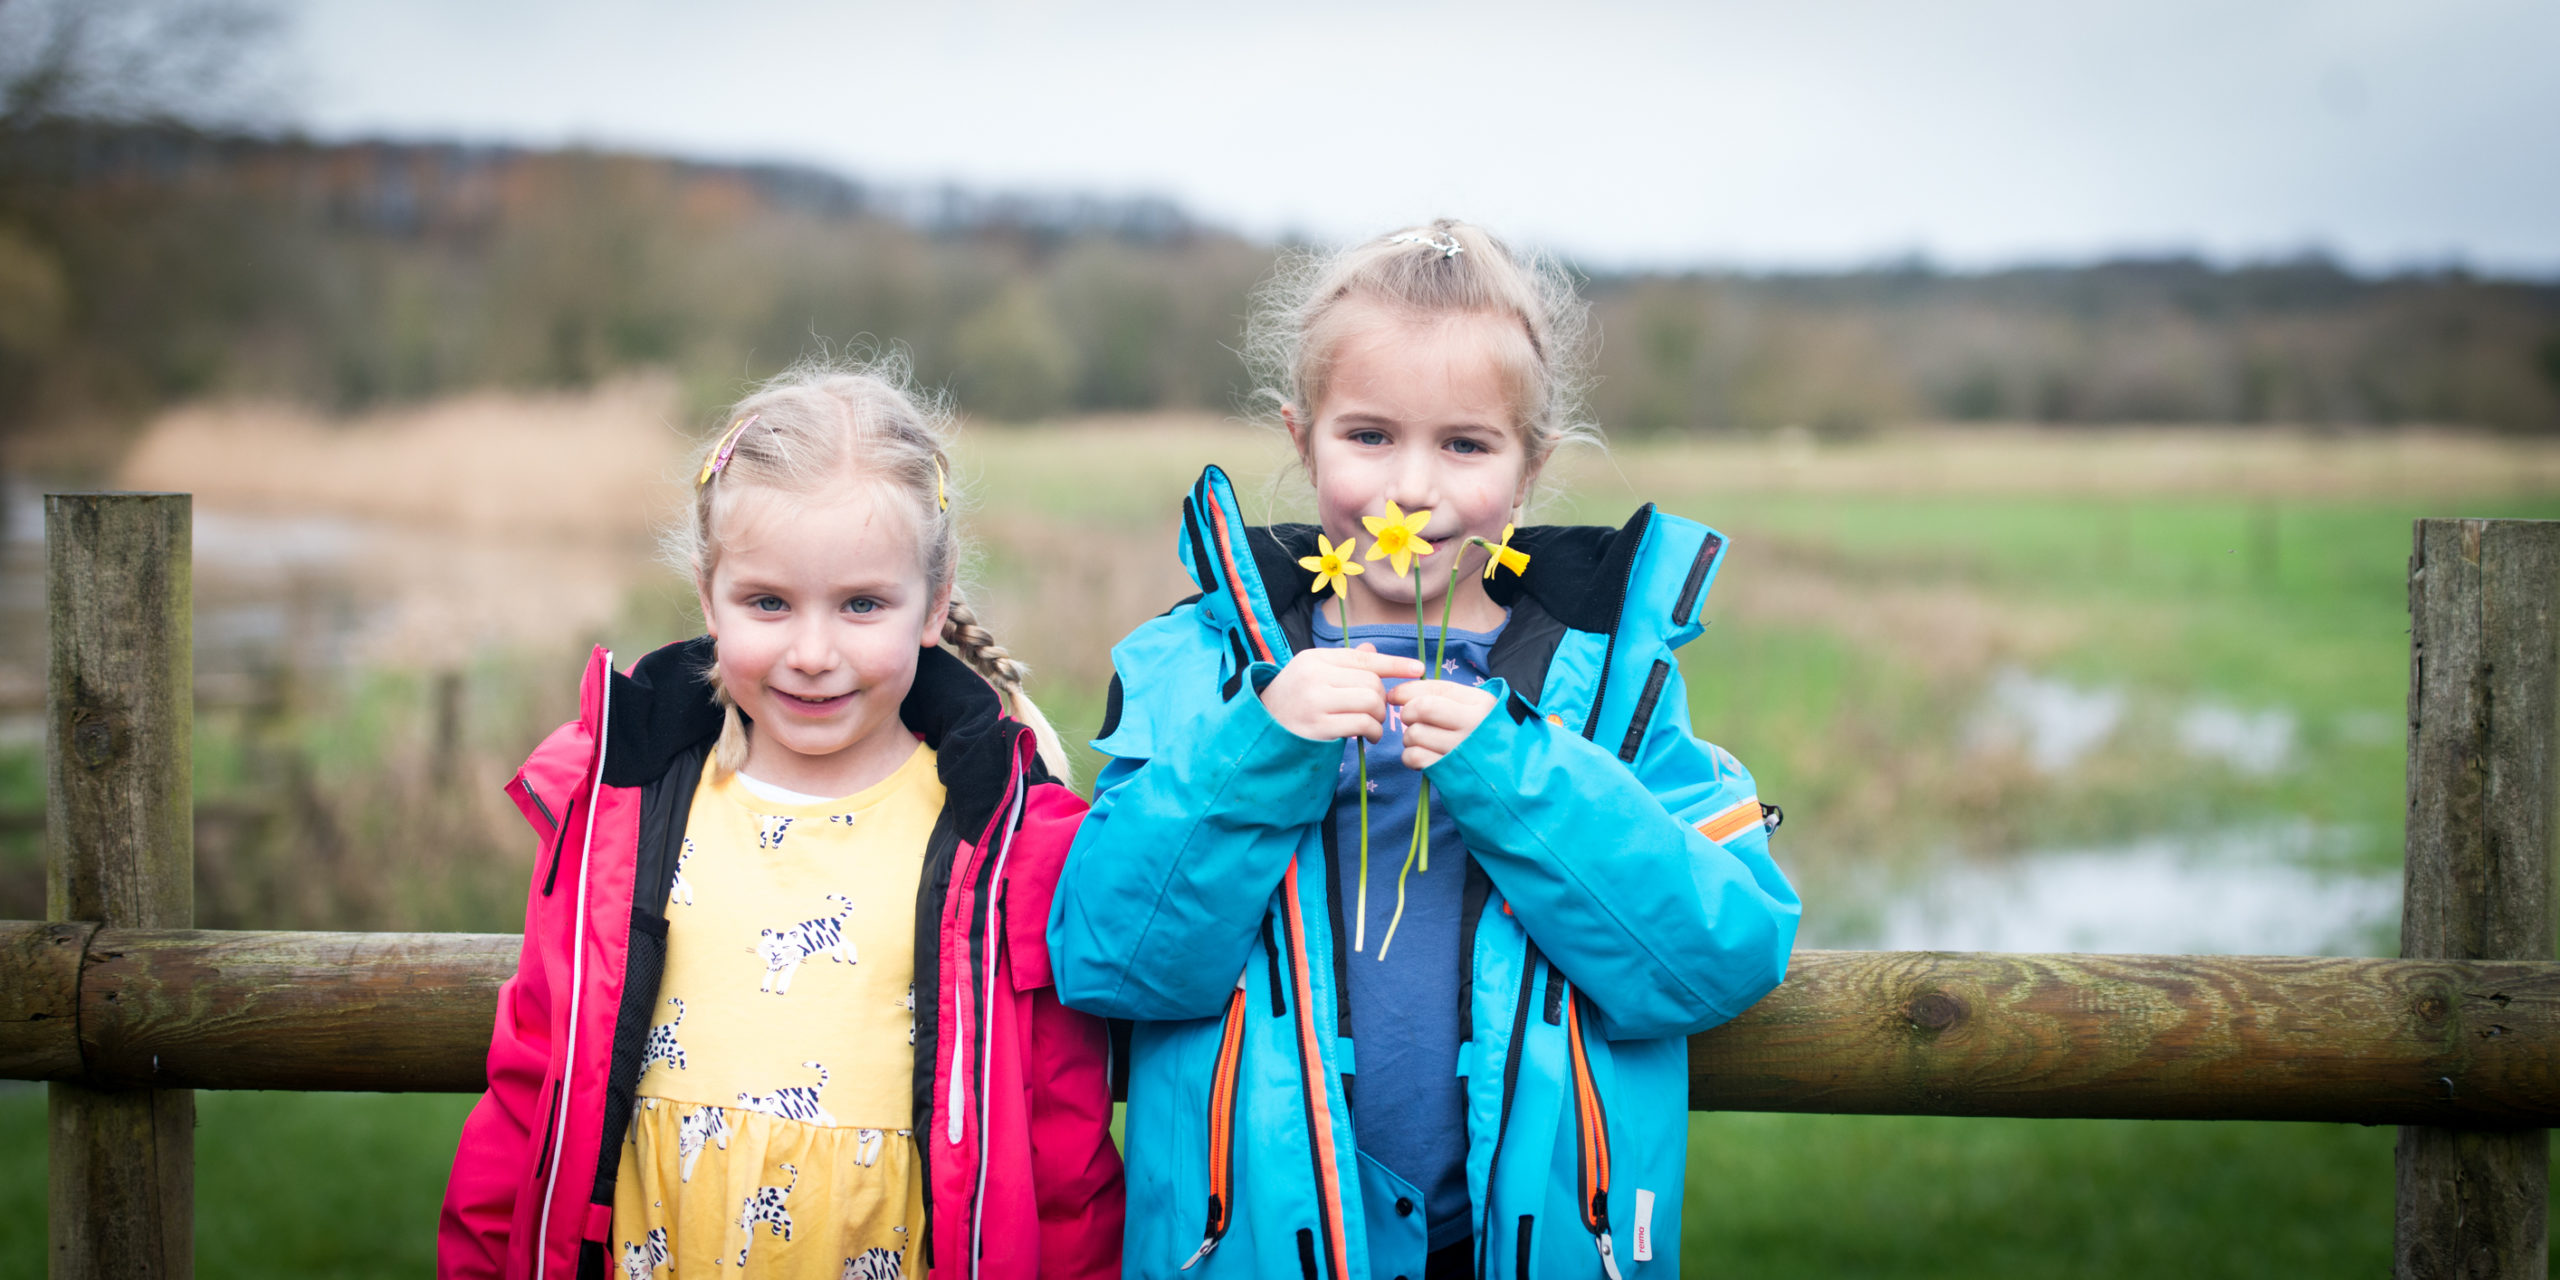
2484,717
120,850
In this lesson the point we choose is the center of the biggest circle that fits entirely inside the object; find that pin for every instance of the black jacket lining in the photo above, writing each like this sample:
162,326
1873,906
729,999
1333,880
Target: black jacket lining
660,728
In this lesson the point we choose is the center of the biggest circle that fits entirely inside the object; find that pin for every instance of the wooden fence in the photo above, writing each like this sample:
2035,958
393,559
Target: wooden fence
126,1009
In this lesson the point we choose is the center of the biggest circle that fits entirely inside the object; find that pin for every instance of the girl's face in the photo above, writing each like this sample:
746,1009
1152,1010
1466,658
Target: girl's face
1418,412
818,608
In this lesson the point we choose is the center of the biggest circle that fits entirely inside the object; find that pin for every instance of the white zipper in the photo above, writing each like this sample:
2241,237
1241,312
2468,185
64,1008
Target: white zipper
986,1072
577,976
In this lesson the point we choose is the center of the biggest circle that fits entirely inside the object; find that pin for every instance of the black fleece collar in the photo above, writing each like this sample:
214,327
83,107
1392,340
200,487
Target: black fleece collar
1577,572
664,707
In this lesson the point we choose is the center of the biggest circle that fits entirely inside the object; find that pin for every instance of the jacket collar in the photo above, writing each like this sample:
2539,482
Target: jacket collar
1579,574
664,706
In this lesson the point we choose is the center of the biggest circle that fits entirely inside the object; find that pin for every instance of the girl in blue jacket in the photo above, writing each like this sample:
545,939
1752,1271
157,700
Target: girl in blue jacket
1500,1088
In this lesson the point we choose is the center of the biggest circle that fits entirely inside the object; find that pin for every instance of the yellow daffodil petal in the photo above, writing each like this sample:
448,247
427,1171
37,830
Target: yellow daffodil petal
1353,567
1313,564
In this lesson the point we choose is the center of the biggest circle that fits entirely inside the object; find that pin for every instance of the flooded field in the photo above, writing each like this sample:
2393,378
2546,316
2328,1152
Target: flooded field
2136,692
2017,691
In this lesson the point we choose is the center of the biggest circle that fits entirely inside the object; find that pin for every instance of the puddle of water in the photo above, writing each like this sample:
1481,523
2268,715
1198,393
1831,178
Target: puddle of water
2256,743
2249,891
321,593
2053,723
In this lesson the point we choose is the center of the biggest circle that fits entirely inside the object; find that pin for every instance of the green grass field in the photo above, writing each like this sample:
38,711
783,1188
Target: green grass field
1856,627
347,1186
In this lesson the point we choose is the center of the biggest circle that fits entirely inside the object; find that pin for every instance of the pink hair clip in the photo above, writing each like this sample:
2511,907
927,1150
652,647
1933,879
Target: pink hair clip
719,460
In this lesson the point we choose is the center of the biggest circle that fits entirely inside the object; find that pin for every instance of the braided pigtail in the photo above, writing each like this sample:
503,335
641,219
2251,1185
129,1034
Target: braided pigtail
730,752
972,643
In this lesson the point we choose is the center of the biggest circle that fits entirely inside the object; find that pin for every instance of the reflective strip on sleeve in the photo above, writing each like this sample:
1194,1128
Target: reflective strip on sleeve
1733,821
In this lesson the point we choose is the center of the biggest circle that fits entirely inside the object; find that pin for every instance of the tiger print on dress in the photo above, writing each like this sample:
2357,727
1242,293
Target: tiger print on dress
765,1207
642,1258
705,1125
866,1147
794,1102
770,830
662,1046
874,1264
784,949
681,891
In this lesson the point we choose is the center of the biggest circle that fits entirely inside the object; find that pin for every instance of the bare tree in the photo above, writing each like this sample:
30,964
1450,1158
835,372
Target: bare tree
134,60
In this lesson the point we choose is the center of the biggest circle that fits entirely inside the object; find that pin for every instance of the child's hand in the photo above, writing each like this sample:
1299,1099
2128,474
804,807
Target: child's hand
1334,693
1438,715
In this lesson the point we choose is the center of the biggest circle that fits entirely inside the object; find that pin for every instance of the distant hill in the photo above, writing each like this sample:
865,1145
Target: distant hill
140,265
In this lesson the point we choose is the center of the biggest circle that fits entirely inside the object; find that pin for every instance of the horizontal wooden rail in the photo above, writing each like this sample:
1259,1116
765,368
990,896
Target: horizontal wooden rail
1868,1032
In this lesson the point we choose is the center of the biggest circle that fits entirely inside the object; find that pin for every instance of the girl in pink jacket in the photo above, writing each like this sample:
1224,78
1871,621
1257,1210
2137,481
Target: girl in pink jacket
784,1005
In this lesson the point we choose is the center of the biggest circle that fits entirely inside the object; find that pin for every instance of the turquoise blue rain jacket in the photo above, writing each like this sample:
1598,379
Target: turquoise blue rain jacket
1620,897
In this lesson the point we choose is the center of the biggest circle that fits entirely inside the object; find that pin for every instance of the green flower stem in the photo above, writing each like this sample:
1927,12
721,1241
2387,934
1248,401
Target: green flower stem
1360,926
1417,853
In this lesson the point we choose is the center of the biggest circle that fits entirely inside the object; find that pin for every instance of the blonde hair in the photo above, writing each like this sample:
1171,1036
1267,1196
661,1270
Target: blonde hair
823,427
1300,320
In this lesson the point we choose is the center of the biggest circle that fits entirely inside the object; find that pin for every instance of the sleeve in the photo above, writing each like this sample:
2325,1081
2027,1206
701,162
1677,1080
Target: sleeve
1080,1192
1158,907
1612,868
496,1148
1066,1063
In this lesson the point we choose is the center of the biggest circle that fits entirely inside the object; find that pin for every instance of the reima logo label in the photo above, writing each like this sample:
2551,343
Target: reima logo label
1644,1225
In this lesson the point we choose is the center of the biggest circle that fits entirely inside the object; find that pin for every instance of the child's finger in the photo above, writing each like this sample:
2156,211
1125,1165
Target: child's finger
1384,665
1421,704
1413,691
1352,724
1352,698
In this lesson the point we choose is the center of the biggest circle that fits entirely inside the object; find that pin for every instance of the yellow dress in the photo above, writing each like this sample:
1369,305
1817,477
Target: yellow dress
770,1137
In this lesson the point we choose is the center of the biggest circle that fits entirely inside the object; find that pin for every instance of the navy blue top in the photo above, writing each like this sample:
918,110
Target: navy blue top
1408,1109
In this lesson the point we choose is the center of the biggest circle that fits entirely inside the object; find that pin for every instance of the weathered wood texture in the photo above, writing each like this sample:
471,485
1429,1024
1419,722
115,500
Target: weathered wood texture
214,1010
1924,1033
2484,712
40,1000
119,710
2148,1037
119,852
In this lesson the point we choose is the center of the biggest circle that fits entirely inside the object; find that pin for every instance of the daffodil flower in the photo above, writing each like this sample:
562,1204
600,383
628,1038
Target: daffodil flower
1503,557
1333,566
1397,537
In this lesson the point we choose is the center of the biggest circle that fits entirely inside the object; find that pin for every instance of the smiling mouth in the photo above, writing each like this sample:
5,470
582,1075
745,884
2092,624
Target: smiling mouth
809,702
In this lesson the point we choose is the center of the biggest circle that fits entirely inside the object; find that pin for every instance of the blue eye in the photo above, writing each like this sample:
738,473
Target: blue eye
862,604
1372,438
767,604
1464,445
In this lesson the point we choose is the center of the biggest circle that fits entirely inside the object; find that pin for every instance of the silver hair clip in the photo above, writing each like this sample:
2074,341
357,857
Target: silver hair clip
1447,244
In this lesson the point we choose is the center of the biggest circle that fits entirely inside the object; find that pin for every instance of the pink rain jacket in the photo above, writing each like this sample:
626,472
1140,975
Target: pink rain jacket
1013,1099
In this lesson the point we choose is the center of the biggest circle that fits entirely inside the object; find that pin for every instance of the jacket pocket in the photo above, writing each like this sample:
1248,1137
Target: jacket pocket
1223,1086
535,807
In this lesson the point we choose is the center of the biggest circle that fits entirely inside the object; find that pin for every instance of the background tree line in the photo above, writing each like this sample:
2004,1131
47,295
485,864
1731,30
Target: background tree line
142,262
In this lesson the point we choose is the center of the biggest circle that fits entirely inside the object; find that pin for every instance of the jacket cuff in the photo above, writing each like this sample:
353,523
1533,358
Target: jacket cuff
1491,748
1288,778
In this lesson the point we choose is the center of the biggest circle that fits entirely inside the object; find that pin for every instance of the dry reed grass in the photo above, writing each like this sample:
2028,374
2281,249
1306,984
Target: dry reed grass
583,466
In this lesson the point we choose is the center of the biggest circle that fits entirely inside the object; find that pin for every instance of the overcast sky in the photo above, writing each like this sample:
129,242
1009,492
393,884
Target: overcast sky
1825,133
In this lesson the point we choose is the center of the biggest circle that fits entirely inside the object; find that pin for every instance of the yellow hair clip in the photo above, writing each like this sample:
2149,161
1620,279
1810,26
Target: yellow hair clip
941,492
719,459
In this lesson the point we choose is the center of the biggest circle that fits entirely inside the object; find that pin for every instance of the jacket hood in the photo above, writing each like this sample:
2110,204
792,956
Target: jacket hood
664,707
1577,573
